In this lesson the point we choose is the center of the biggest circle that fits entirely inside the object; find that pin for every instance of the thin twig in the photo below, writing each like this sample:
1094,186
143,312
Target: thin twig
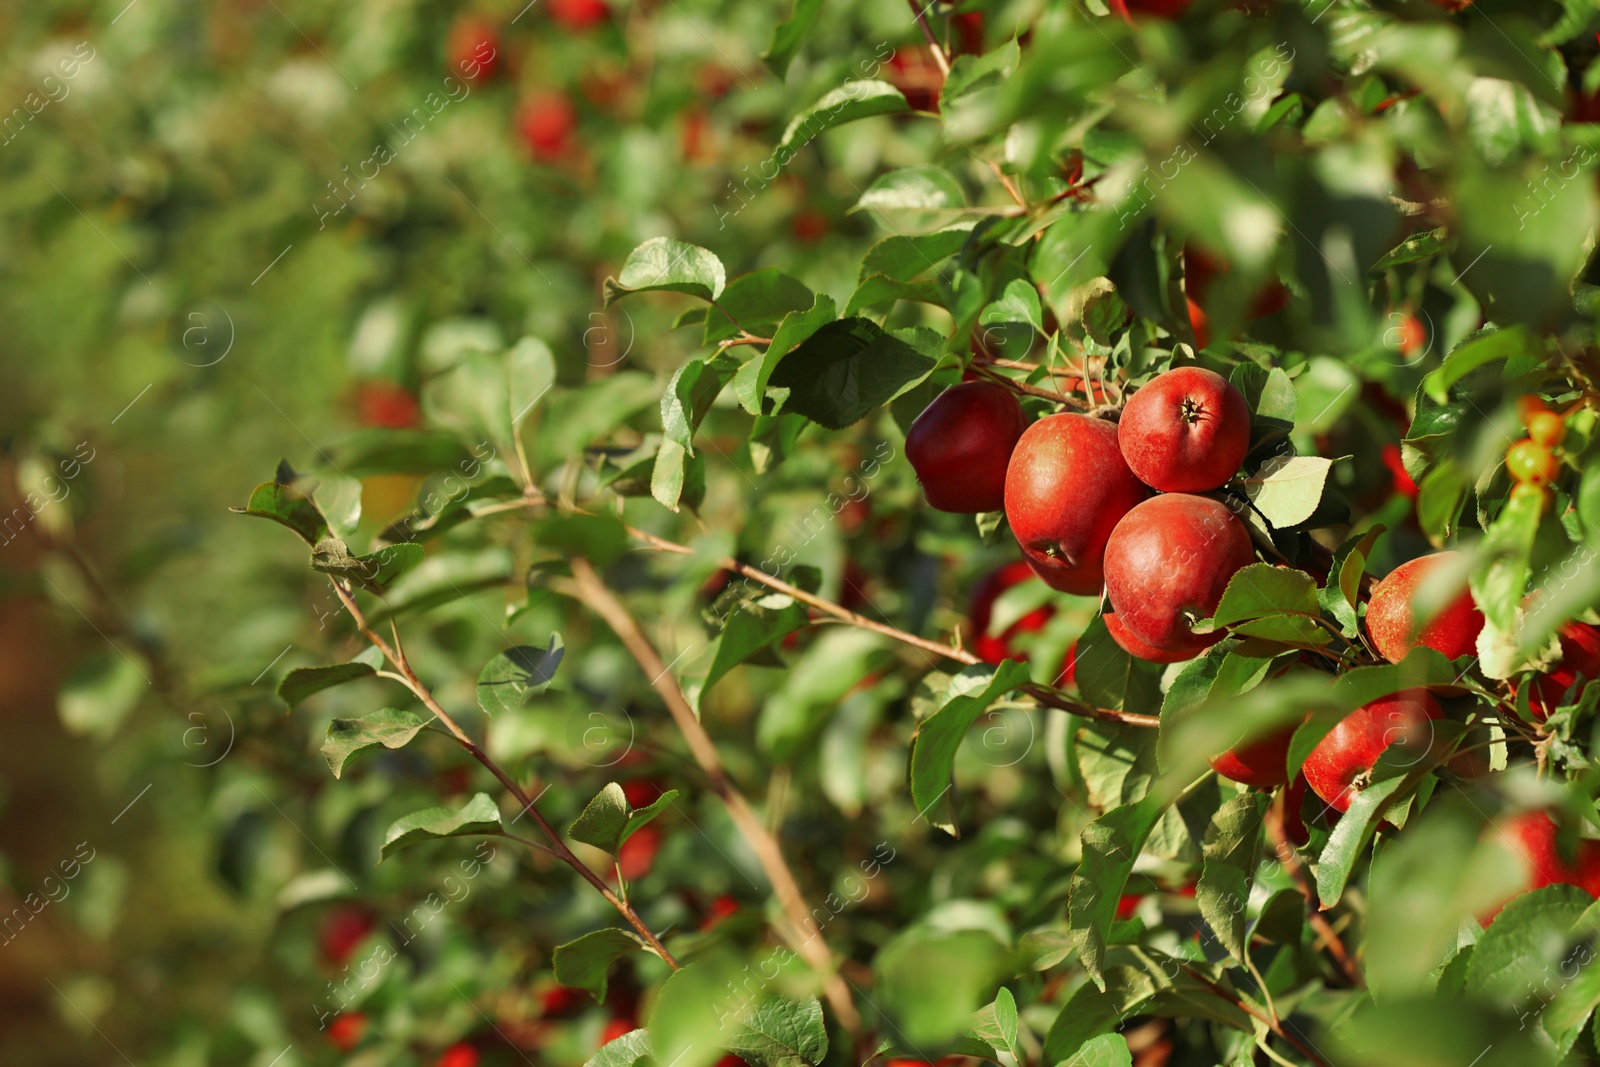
805,936
1030,390
395,654
939,58
1328,937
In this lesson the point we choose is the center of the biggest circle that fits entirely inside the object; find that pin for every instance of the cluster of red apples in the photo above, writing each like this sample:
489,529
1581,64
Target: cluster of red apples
1113,510
1101,506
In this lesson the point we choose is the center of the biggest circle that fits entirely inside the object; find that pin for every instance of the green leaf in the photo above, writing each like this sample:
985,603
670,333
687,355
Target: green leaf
1077,248
906,256
751,382
607,821
1477,351
302,682
374,572
1418,246
531,368
479,816
1263,589
931,982
287,507
924,188
1499,578
1110,678
1005,1017
851,101
625,1051
1287,490
97,696
1107,1050
517,674
584,963
1018,302
695,1012
385,451
845,369
1523,949
1111,845
1342,595
751,628
782,1032
1090,1013
757,301
339,500
666,264
789,35
1232,849
967,72
1442,872
938,738
1440,497
391,728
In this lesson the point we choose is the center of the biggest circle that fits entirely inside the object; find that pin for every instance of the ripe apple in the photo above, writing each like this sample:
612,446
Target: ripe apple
342,931
1337,768
387,404
547,121
809,225
617,1028
992,648
1133,646
579,14
1167,564
1394,632
1403,483
1067,487
638,853
961,443
1580,658
1185,431
460,1054
1533,837
474,48
1263,763
346,1030
718,910
1199,322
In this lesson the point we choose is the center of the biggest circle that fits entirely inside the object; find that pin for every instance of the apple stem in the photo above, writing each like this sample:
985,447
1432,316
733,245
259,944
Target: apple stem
939,58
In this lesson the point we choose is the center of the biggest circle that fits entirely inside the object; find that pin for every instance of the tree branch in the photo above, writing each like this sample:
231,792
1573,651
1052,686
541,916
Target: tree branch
1290,860
395,654
805,937
939,58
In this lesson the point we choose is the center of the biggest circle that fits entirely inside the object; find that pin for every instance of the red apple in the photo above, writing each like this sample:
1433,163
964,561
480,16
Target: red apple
460,1054
1186,431
1067,487
638,853
960,445
342,931
1135,647
720,909
547,121
386,404
810,225
1394,632
992,648
617,1028
474,48
1533,837
1263,763
1580,658
1199,322
1403,483
1167,565
1337,768
579,14
345,1032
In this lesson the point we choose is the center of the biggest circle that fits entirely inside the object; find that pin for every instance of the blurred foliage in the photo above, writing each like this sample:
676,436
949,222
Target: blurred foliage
473,294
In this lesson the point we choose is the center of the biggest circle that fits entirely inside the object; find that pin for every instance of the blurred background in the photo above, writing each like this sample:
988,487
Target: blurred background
238,231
